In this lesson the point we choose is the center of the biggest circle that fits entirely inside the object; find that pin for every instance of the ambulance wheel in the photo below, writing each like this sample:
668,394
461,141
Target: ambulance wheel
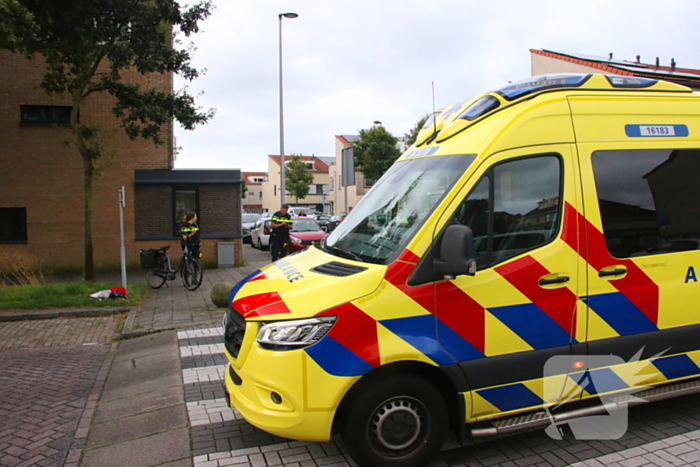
401,422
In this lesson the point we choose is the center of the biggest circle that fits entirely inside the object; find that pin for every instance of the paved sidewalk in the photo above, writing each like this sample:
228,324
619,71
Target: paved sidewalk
174,307
141,418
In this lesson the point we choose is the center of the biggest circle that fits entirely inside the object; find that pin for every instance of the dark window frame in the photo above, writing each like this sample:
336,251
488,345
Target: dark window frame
52,120
21,214
176,224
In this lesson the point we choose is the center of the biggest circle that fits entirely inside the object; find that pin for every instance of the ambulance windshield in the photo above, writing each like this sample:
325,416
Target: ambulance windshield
384,221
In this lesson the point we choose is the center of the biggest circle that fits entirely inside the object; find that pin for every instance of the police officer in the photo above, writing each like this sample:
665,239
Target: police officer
190,234
281,224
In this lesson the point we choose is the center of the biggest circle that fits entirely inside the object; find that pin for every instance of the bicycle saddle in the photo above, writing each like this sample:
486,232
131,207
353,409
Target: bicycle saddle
165,248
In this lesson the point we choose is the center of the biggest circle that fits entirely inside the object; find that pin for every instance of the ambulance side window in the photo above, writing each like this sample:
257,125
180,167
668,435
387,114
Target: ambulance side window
648,200
514,208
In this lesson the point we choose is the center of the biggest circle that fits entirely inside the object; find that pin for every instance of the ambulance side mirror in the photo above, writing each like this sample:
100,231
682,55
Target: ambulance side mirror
456,256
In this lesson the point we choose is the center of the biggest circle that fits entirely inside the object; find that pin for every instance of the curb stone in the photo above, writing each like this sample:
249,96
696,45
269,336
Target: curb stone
23,315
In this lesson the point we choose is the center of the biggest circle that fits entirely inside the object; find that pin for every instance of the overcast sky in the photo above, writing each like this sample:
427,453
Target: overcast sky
349,63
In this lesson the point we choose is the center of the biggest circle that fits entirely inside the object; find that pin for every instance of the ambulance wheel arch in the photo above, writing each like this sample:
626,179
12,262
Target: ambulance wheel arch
362,400
401,421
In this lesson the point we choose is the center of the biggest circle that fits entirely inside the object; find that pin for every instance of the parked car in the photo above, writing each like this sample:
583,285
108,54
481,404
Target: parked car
260,234
305,232
322,219
334,221
248,221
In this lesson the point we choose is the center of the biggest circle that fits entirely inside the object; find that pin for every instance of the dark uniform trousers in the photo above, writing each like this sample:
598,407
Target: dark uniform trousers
279,238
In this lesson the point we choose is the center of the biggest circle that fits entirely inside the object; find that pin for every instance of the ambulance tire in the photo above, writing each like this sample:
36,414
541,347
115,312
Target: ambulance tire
399,422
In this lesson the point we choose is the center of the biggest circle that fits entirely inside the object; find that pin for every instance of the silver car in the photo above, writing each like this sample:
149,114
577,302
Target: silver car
248,221
260,234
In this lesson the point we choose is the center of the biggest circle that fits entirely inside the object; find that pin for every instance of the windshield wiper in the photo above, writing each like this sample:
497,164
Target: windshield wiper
347,254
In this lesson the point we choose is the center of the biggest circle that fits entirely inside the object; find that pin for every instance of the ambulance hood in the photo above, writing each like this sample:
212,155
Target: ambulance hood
303,285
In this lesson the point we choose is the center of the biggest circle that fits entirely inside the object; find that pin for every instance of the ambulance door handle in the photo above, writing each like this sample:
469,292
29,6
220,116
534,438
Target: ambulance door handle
556,280
612,272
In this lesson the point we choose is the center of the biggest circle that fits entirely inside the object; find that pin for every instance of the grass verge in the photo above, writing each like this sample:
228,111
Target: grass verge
68,295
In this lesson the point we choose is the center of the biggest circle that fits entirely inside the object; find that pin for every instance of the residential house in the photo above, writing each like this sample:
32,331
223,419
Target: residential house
318,190
253,199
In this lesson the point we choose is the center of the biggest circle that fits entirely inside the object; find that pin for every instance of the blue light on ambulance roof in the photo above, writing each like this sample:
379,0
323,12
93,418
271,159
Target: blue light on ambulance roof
481,107
630,82
539,83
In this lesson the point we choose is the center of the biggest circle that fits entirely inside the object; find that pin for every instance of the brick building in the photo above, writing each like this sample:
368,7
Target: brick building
41,197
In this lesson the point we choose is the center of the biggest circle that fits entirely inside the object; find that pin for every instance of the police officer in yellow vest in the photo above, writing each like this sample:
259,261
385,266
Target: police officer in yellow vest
281,224
190,234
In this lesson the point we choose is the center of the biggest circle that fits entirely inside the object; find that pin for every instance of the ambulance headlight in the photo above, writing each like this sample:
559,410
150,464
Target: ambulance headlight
289,335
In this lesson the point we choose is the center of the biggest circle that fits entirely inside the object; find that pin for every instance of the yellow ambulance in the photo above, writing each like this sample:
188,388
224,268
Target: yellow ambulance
527,231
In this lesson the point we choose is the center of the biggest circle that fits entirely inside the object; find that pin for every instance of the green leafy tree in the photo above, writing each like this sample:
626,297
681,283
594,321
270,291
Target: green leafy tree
375,151
413,134
97,47
244,189
297,178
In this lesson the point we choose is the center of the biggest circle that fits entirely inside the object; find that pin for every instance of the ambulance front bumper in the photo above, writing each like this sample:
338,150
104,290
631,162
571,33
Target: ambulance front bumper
273,397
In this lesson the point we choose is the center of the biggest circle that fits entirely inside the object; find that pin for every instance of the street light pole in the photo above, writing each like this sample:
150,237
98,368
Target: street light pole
282,165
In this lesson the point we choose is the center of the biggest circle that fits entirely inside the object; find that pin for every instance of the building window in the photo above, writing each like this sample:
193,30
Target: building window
45,115
13,225
184,200
261,195
369,182
309,165
258,179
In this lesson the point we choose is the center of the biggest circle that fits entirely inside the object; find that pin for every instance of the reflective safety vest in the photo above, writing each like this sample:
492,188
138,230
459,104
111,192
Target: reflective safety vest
279,218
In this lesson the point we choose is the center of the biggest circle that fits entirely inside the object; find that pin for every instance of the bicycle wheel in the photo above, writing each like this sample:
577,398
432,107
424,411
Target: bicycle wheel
154,281
192,274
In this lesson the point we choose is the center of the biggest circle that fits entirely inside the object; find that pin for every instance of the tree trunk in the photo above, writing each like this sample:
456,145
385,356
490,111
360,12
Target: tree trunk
80,136
89,267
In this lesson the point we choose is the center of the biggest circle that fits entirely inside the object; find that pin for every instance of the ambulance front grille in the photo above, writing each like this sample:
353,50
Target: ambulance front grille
334,268
234,330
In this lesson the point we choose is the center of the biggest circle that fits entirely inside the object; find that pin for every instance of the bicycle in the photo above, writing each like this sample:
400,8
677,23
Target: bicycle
159,270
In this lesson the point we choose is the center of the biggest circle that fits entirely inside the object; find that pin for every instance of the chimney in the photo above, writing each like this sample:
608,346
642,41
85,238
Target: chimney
657,63
639,57
610,56
673,65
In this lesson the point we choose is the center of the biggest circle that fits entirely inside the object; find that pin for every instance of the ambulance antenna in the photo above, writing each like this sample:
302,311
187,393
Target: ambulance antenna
434,112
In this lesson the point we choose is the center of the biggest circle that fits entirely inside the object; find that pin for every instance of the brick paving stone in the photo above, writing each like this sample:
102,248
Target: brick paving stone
690,457
62,332
525,461
44,389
